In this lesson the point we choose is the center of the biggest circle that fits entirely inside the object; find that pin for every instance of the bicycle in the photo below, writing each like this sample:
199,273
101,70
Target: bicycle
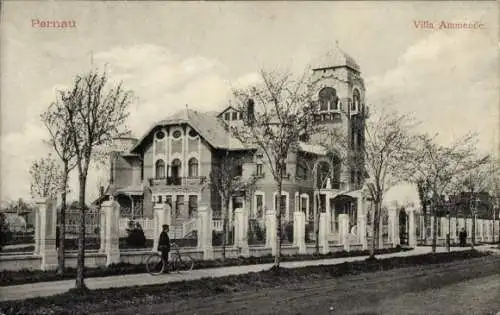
177,262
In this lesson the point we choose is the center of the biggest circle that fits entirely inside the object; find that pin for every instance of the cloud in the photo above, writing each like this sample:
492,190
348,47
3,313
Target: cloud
162,83
449,80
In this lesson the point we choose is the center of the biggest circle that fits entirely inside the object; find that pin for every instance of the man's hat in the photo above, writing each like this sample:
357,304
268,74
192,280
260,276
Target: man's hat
164,226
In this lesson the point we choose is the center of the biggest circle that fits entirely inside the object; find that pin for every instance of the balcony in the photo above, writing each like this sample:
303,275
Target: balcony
177,181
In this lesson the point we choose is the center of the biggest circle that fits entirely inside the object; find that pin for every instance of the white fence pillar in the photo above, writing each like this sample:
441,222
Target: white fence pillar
394,226
323,233
453,231
47,221
38,227
480,230
112,248
431,236
412,227
102,230
241,231
271,230
299,231
361,224
161,215
344,231
204,225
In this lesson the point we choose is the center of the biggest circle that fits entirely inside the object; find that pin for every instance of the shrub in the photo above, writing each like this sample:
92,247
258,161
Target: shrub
256,234
308,230
217,238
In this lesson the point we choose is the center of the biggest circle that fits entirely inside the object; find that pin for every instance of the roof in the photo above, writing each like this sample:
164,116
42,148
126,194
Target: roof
209,127
335,57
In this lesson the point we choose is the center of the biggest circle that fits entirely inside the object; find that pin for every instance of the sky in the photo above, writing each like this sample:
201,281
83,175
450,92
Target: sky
172,54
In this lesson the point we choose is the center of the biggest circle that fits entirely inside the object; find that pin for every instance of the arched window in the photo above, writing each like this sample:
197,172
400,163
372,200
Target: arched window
328,99
160,169
175,169
355,100
193,167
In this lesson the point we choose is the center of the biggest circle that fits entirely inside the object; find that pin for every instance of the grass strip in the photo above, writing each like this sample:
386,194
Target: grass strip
32,276
91,301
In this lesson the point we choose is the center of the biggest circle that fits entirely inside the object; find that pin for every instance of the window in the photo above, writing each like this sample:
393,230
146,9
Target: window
355,100
160,199
192,133
301,171
359,178
160,135
160,169
259,205
328,99
360,138
177,134
193,167
303,204
175,169
179,202
352,177
193,205
259,170
238,171
235,116
227,116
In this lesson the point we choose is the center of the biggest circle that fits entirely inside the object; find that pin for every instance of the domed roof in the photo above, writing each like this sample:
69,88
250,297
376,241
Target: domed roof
335,57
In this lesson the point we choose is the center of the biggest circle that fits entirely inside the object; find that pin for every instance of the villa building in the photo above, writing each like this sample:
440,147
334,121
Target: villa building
172,161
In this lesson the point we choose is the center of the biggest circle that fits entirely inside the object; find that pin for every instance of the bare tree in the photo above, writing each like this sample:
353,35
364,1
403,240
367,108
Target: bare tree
46,178
439,165
283,112
96,114
382,155
480,178
227,179
56,121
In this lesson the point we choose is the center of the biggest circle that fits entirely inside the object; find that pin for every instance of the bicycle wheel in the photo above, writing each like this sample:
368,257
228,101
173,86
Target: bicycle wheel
184,263
154,264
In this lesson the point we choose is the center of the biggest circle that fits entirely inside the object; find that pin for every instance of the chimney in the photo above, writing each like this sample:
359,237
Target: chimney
101,191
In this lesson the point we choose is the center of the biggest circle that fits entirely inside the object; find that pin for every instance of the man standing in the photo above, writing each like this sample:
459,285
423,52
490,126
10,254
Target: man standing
164,245
463,237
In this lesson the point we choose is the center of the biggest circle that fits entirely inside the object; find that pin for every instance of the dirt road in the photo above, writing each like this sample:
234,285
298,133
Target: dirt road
465,287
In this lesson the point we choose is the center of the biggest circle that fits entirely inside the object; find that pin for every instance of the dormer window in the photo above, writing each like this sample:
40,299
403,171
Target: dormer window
193,133
177,134
234,116
227,116
160,135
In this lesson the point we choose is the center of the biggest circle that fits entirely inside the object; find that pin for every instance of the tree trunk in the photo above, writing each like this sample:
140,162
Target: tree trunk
277,257
316,224
225,229
473,236
62,225
80,268
375,230
426,221
434,228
